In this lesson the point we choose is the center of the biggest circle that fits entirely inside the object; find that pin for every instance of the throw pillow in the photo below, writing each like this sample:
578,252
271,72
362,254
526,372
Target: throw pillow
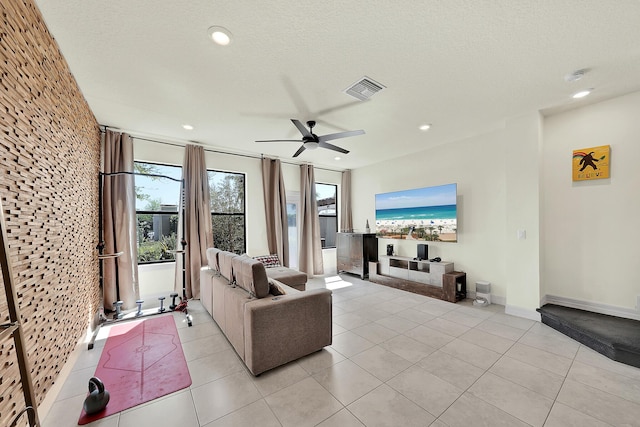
268,260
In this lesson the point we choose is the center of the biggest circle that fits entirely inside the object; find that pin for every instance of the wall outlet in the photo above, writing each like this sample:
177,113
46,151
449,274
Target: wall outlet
522,234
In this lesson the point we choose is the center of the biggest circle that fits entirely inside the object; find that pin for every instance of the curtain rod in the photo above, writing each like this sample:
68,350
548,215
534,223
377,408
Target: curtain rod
182,144
155,175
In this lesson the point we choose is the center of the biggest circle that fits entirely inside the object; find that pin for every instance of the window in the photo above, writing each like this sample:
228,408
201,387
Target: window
293,224
157,200
326,199
228,210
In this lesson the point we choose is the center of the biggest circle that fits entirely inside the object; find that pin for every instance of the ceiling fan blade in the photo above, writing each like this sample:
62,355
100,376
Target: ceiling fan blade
303,130
280,140
331,125
332,147
337,108
340,135
300,150
296,97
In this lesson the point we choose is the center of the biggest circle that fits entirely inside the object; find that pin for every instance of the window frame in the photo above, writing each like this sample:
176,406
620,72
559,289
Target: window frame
153,212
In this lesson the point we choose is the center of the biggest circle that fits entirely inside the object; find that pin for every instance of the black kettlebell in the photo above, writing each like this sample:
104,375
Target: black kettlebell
98,397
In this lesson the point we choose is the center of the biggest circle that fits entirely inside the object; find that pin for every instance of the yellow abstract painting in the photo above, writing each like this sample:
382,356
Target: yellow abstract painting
591,163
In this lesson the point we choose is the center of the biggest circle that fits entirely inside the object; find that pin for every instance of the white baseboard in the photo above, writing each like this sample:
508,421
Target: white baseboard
543,300
595,307
522,312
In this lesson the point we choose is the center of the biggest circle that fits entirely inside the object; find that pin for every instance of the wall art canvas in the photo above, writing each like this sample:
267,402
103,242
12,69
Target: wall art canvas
591,163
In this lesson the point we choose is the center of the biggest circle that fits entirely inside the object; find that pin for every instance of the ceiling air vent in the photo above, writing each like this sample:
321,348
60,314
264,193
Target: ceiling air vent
364,88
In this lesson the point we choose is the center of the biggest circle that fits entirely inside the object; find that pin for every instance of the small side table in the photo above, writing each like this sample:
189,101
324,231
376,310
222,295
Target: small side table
454,286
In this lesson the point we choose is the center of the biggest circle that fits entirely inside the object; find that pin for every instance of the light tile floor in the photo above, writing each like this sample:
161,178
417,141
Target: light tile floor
397,359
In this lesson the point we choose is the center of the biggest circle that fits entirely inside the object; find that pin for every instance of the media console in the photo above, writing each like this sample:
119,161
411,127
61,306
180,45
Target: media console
430,278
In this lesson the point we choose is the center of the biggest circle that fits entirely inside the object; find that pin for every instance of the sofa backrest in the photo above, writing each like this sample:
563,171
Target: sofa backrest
212,258
251,276
245,272
225,260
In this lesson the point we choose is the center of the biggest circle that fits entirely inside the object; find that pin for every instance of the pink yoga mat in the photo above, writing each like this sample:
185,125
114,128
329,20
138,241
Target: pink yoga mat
141,361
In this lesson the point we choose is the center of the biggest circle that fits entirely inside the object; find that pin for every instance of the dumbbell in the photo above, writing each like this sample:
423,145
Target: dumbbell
161,309
139,312
118,305
173,305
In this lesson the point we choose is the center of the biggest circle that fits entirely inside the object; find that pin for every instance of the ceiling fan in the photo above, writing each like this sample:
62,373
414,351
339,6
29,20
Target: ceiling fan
311,141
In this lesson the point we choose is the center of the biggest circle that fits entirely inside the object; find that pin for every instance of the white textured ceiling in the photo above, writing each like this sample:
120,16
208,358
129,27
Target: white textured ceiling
148,67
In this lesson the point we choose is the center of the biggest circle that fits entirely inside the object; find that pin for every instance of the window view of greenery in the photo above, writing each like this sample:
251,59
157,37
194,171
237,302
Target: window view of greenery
228,210
157,200
326,196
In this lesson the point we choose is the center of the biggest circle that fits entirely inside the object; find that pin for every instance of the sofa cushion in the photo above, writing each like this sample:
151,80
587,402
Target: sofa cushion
269,260
287,276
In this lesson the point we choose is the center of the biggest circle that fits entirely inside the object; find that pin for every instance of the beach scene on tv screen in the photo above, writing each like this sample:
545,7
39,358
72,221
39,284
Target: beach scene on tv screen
428,213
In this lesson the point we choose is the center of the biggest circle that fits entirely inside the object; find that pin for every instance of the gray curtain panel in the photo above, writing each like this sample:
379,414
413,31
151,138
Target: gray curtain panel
119,222
275,206
346,222
195,212
310,258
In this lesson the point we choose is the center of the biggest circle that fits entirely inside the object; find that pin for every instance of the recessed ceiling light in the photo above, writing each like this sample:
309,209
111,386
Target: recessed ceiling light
337,158
582,93
425,127
220,35
187,127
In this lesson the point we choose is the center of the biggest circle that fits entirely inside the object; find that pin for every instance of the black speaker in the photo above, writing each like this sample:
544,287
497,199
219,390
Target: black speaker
390,250
423,251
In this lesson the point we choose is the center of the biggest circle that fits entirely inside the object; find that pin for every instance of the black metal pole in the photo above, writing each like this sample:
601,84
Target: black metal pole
183,242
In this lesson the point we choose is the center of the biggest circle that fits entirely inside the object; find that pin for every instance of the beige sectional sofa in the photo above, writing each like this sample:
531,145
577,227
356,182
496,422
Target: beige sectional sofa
267,322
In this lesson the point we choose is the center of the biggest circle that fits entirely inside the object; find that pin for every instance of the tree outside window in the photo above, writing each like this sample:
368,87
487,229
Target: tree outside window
227,193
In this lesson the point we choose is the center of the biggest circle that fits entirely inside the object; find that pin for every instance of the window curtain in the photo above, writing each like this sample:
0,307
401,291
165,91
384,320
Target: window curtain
310,258
346,222
120,274
194,224
275,205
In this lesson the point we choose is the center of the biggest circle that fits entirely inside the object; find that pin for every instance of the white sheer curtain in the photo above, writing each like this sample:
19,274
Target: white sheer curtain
275,206
195,212
120,274
310,258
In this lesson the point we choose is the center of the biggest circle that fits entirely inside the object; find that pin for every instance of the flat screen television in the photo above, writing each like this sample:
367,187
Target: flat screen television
428,213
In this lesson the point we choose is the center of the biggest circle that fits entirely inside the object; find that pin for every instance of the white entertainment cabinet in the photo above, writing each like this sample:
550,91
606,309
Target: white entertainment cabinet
406,268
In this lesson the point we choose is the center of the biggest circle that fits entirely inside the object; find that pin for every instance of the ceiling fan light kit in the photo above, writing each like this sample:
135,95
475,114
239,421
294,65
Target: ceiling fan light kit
310,145
311,141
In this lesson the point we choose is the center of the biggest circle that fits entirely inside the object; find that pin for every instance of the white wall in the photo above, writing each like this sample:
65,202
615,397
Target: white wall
581,240
477,165
590,235
522,243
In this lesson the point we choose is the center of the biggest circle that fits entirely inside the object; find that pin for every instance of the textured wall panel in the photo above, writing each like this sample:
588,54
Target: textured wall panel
49,160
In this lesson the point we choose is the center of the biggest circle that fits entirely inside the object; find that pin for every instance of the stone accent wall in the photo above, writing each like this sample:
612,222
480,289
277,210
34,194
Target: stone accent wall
49,163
